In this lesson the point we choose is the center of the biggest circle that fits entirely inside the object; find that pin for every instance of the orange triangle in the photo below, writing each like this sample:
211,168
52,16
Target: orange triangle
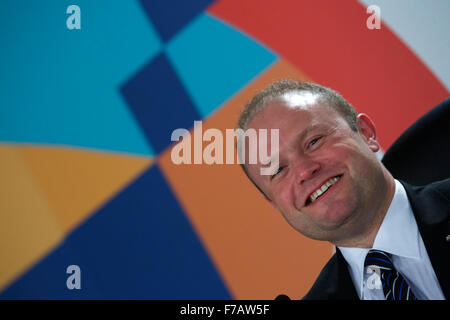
77,182
28,227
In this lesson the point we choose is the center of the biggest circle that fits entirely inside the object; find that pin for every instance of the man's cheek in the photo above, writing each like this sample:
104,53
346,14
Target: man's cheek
282,196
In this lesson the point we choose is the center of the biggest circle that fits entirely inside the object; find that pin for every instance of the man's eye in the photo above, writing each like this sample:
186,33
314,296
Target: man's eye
314,141
277,172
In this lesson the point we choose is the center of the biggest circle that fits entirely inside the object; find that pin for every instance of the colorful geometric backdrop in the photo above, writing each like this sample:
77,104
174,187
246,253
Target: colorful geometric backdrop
86,116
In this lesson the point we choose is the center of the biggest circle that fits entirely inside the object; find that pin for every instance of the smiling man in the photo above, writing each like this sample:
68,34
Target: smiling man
331,186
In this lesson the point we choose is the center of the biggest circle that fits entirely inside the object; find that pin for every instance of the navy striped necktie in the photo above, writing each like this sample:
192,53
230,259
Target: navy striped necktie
395,286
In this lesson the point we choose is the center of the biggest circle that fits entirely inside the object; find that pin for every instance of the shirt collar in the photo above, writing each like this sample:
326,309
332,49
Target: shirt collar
398,235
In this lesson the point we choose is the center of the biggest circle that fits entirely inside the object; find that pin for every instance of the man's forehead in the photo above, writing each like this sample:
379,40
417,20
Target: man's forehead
293,111
294,124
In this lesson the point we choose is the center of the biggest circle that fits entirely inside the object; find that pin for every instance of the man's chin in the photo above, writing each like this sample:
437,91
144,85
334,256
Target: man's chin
333,219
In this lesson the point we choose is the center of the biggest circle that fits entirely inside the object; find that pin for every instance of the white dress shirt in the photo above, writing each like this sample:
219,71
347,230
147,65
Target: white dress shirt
399,236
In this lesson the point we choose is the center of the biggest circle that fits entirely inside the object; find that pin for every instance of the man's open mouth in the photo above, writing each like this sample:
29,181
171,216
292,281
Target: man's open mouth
322,189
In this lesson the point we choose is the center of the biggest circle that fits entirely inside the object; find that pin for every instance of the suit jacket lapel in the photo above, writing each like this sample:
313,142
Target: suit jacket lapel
431,207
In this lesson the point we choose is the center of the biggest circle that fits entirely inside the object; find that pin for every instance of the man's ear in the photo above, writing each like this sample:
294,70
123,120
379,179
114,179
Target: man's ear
366,129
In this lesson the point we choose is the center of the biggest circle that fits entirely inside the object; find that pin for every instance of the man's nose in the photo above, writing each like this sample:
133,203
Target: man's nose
305,168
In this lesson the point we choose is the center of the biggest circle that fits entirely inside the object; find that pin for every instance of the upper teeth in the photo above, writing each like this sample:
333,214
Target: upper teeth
323,188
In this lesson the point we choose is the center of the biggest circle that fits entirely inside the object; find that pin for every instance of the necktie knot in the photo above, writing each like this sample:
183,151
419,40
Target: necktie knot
378,259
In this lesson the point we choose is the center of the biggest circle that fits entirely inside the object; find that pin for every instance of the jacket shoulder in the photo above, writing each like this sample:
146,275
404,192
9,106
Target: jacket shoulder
319,290
442,187
431,202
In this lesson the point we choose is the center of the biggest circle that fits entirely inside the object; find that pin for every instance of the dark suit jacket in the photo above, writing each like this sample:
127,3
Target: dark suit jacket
431,207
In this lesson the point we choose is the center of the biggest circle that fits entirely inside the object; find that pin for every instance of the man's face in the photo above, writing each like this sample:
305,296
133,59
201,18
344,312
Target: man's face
329,182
